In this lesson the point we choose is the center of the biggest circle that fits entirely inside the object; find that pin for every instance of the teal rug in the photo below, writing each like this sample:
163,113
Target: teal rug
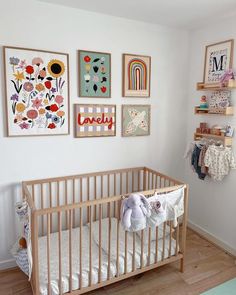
228,288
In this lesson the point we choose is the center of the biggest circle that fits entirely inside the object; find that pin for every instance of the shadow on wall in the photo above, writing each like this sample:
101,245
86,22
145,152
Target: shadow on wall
10,226
3,95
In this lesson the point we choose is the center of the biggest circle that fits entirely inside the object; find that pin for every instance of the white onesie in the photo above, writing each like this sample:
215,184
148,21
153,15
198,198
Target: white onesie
219,160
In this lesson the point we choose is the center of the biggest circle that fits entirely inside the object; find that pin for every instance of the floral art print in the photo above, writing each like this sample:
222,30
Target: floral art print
36,92
94,74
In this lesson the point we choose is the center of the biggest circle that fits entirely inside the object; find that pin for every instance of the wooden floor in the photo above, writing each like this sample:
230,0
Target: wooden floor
206,267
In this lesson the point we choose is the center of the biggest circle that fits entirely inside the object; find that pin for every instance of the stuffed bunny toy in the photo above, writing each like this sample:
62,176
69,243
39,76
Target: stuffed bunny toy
134,211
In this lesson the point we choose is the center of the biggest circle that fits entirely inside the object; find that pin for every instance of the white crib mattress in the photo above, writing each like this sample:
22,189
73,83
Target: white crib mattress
54,257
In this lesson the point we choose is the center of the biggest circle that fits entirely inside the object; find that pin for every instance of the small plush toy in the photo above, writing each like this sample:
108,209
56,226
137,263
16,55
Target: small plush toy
134,211
203,102
22,243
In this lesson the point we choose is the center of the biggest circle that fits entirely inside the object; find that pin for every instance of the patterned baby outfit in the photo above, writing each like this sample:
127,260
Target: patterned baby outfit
195,160
201,159
219,160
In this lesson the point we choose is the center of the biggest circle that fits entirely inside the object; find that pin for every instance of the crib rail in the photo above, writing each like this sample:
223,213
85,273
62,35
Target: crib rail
87,200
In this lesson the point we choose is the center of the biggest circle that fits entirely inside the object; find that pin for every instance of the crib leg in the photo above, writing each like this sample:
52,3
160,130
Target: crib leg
182,265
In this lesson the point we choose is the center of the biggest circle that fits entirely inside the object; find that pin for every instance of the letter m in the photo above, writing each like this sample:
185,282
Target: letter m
218,66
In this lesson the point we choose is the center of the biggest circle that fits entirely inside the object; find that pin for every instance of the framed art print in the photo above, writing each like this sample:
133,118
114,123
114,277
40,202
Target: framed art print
218,59
136,120
136,75
94,74
95,120
37,92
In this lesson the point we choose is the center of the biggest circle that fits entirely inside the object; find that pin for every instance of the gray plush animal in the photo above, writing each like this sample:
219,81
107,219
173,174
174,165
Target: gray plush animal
134,211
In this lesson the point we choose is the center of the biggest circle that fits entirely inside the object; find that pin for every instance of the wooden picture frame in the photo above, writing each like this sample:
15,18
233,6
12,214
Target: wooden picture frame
37,92
136,120
218,59
136,75
94,74
95,120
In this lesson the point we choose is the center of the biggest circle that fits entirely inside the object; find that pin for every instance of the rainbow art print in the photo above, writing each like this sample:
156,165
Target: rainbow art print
136,75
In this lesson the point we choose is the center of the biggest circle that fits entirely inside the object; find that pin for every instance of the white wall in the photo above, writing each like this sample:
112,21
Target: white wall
32,24
212,205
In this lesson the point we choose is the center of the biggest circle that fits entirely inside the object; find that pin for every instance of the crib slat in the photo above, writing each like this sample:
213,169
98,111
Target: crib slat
58,193
149,245
48,252
177,239
114,193
70,250
35,247
88,197
139,181
108,189
90,245
156,256
42,206
132,181
59,250
127,182
100,242
81,189
66,202
141,257
126,237
144,179
156,185
115,185
170,239
108,185
95,197
117,241
33,192
161,182
102,186
80,246
73,195
50,202
133,262
109,241
148,180
163,244
121,183
153,185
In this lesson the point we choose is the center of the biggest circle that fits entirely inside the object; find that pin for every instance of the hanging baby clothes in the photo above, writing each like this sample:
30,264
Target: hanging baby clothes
219,160
201,162
195,162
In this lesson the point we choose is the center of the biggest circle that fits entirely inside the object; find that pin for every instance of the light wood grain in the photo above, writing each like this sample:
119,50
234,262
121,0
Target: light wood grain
206,267
88,204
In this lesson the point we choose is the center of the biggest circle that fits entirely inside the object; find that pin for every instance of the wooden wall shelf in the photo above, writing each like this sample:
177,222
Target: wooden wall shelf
227,141
215,87
229,111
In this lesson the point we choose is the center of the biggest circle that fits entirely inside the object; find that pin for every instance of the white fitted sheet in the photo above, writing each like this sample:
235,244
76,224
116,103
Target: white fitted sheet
54,258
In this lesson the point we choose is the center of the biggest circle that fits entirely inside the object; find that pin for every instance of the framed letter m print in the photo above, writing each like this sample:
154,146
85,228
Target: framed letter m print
218,59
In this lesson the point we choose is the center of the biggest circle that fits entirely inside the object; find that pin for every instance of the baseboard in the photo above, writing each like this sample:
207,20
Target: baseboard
5,264
211,238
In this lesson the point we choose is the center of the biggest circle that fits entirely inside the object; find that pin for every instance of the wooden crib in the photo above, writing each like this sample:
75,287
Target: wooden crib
71,202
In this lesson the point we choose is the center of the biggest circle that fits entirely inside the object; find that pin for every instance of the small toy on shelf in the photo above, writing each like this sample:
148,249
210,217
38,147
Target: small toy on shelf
203,102
229,131
203,128
217,130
